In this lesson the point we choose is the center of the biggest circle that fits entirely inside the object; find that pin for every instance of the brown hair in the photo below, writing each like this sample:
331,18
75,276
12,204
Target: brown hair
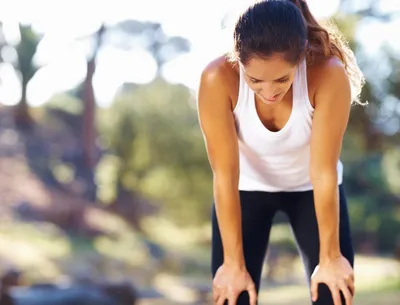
288,27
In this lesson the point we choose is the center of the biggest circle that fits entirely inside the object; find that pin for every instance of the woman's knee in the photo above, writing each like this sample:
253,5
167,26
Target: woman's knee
243,299
325,296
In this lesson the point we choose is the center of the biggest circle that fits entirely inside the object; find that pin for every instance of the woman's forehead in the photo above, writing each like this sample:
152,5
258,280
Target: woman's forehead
270,69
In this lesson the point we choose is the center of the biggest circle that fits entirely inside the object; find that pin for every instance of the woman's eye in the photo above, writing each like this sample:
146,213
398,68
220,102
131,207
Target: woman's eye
283,80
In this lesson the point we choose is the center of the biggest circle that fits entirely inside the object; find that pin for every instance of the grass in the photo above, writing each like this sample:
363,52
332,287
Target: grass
377,283
295,296
385,293
43,252
33,249
378,297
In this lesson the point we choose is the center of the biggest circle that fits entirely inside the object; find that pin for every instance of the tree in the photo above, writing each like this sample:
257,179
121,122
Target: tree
160,152
152,38
368,150
88,115
26,50
128,35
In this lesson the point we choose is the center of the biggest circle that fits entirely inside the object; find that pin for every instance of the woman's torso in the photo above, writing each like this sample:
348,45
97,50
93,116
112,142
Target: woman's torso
274,142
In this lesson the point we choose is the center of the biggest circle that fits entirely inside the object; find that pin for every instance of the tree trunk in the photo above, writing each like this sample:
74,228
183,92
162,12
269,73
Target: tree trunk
22,116
89,134
89,112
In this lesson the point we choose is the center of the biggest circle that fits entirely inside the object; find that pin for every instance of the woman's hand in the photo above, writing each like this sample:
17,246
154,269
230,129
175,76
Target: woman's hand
229,282
338,275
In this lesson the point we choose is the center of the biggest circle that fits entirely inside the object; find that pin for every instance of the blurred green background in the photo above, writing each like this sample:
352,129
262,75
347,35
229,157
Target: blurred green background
103,170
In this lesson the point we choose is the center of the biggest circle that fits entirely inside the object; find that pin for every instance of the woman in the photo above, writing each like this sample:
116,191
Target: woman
273,115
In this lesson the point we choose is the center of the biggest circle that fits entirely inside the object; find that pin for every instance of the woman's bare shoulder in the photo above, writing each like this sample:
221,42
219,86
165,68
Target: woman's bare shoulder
223,75
322,70
220,67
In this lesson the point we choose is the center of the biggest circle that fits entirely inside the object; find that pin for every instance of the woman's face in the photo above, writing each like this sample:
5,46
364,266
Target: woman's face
271,78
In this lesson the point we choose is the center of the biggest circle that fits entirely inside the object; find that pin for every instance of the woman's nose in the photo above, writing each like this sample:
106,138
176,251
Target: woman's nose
268,90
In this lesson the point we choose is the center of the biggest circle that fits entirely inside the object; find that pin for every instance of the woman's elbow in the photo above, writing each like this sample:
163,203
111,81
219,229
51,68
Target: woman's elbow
324,175
225,177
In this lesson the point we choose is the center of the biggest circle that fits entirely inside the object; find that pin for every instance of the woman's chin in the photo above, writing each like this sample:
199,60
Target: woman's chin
274,100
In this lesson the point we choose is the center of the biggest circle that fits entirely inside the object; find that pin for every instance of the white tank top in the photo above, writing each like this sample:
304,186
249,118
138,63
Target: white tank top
276,161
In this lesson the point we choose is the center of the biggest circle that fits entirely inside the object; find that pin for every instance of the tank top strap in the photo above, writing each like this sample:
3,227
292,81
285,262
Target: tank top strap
300,87
243,93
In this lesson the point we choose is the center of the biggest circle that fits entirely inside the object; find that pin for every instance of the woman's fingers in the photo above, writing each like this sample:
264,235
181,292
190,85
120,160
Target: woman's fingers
222,295
221,300
335,294
216,291
314,289
335,291
350,283
232,299
251,289
346,293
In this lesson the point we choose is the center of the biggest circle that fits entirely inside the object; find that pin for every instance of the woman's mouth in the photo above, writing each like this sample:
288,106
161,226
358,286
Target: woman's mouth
272,98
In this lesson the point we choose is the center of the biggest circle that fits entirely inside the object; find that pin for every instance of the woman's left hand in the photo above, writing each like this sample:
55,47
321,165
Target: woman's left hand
338,275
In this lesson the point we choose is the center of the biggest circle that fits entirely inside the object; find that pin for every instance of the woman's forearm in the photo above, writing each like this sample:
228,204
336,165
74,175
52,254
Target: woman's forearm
326,198
227,205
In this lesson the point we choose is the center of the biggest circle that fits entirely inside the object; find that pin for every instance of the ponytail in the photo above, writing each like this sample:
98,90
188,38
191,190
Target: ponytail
287,27
327,41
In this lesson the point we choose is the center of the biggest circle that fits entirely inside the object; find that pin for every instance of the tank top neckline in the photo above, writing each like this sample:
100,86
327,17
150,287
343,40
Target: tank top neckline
297,97
260,123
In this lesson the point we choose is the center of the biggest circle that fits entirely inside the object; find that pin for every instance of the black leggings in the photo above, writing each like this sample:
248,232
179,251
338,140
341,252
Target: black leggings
258,210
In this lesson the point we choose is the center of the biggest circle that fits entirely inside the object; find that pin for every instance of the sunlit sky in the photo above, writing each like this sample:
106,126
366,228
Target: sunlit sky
62,59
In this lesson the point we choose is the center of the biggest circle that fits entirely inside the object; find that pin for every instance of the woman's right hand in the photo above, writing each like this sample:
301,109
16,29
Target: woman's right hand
229,282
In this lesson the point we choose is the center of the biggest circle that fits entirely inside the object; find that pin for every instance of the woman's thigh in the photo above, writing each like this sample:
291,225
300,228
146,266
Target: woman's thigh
258,210
303,220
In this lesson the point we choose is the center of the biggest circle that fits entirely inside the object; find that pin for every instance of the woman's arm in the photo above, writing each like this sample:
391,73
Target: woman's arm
217,123
331,114
332,108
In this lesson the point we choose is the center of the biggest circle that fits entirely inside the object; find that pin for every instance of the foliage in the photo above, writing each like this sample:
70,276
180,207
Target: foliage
151,142
153,131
